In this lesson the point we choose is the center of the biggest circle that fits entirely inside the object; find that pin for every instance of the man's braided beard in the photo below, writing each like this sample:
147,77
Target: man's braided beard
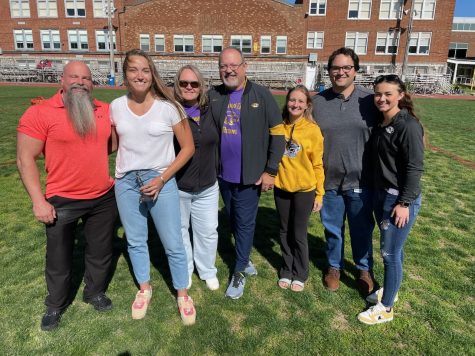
80,108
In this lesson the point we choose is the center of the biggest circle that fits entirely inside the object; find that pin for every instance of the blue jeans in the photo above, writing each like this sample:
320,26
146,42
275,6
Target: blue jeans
165,212
241,203
202,209
356,206
392,241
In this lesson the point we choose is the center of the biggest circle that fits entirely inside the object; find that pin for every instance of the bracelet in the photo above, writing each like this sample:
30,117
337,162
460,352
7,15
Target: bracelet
163,180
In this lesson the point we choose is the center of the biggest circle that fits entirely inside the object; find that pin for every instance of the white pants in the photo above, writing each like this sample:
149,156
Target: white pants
202,209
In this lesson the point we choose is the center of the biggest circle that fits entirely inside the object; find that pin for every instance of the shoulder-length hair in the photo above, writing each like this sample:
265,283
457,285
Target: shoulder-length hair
307,115
202,97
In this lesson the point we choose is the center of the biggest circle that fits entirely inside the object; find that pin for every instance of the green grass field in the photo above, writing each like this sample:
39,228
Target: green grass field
435,313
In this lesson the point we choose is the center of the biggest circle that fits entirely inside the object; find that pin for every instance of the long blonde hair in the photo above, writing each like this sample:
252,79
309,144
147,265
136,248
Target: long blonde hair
307,114
202,97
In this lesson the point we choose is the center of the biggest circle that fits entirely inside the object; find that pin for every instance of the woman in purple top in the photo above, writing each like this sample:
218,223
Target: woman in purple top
197,184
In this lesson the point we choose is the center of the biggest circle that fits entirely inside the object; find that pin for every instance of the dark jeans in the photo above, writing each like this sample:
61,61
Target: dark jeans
392,241
355,205
98,216
241,203
294,212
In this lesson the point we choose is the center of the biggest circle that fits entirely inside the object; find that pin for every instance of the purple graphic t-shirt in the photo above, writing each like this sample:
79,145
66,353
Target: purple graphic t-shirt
231,140
193,112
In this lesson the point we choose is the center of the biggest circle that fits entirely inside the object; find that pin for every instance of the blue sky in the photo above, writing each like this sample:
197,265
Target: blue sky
465,8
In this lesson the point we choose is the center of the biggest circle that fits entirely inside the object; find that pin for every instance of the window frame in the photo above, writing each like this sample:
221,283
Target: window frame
47,8
144,36
241,47
315,39
357,37
51,42
281,38
20,6
419,12
75,8
105,33
359,4
79,32
183,38
261,45
418,46
212,38
317,8
389,38
25,33
159,36
392,3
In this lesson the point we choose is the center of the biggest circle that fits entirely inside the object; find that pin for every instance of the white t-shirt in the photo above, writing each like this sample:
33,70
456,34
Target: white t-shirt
146,141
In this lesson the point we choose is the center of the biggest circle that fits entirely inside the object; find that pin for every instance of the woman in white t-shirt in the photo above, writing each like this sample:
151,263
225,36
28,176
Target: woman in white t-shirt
145,121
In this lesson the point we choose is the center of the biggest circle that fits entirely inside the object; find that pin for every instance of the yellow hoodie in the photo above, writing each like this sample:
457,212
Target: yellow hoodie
301,167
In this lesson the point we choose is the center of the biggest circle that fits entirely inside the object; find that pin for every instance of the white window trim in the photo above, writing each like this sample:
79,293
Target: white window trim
356,41
183,37
212,38
147,37
104,9
315,38
265,37
416,18
391,18
277,42
359,5
24,33
75,9
318,3
78,32
388,38
419,34
155,37
20,9
48,2
51,42
241,37
105,33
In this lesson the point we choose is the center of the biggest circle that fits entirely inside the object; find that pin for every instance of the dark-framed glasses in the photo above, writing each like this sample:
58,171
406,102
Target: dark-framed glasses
185,83
345,69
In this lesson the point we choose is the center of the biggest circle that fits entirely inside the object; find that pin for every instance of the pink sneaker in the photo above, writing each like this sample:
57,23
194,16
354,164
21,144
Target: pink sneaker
141,302
187,310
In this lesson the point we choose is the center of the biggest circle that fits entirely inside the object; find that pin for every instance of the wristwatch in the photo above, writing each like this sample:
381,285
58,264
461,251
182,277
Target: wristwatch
404,204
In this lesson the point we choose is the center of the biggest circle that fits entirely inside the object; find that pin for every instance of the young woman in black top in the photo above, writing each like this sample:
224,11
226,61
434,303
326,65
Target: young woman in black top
397,150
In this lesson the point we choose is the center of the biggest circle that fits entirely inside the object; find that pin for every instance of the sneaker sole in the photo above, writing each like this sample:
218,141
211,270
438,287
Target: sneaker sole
375,322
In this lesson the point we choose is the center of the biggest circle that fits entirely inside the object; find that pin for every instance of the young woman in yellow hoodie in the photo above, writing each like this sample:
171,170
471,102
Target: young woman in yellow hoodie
298,185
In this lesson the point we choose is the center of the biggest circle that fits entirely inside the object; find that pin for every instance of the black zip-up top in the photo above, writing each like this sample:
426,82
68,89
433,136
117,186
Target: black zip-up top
397,154
199,172
261,151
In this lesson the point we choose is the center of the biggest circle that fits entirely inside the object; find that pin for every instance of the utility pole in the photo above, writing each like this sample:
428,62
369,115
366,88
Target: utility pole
110,11
408,40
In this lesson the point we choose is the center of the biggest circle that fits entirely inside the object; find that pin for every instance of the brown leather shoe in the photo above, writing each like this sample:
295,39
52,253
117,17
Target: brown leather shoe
332,279
366,282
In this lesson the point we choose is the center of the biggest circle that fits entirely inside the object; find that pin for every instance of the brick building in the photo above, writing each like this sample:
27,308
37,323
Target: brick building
296,37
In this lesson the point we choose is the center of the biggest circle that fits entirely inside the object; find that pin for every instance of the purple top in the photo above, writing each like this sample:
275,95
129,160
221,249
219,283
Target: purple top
193,112
231,139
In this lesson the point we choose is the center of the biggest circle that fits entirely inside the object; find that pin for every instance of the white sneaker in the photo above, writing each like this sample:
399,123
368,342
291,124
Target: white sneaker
212,283
376,314
375,297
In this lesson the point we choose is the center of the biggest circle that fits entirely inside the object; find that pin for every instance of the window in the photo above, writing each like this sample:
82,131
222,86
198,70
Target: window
102,40
47,8
211,43
23,39
466,27
159,43
424,9
281,45
20,8
387,42
77,40
420,43
390,9
183,43
317,7
243,42
50,40
315,40
99,8
359,9
358,41
75,8
458,50
266,44
145,42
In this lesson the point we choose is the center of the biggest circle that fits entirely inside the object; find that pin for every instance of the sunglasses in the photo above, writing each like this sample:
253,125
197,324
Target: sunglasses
387,78
185,83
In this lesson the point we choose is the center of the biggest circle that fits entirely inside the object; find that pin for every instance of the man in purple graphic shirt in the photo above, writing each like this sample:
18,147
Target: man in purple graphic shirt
249,155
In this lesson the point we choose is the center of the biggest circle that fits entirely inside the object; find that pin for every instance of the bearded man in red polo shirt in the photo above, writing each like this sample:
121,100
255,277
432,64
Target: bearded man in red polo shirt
72,131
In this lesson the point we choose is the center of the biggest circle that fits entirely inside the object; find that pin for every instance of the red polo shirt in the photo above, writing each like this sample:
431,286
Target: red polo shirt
76,167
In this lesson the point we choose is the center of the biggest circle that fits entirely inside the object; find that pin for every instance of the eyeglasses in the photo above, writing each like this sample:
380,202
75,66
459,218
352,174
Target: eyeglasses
345,69
387,78
185,83
233,67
